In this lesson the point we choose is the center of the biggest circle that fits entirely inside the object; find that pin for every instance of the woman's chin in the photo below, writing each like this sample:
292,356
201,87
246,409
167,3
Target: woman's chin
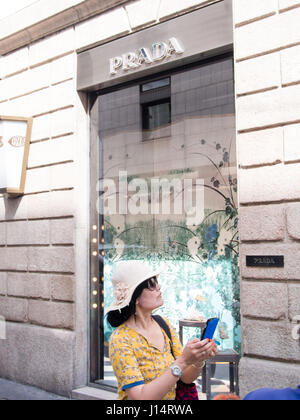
160,303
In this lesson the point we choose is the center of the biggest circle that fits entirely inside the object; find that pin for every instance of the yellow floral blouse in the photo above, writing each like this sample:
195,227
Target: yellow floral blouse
136,362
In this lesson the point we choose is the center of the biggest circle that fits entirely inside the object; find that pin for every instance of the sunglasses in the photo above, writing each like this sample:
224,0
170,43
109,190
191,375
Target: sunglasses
152,284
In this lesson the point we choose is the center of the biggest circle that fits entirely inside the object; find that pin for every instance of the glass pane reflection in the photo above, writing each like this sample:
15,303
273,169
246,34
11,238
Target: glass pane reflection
190,229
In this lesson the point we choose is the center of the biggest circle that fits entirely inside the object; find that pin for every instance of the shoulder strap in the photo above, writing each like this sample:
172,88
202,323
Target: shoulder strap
162,323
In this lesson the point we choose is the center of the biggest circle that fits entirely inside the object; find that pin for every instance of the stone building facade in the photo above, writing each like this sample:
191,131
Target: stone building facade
45,234
267,81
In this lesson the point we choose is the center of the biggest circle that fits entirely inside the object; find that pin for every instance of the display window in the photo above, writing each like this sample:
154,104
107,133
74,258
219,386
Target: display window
164,188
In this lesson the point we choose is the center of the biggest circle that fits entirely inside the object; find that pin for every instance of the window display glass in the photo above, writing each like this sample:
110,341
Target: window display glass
168,193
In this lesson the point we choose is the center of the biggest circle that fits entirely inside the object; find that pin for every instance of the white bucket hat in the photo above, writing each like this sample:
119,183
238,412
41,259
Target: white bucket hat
127,276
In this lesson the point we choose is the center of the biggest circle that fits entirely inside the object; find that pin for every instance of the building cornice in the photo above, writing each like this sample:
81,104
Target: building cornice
59,20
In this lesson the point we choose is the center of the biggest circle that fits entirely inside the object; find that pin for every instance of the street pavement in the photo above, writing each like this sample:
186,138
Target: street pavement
12,391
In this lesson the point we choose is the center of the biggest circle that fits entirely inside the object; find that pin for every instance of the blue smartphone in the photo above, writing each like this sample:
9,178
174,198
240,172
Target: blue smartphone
209,330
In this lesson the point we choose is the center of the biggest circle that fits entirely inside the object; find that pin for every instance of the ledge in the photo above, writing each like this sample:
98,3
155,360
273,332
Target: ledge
33,30
93,394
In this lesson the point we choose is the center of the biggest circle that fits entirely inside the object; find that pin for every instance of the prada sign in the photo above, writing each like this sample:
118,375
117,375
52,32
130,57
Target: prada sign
133,60
183,40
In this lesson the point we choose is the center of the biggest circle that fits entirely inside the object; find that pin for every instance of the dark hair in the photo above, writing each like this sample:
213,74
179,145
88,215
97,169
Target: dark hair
118,317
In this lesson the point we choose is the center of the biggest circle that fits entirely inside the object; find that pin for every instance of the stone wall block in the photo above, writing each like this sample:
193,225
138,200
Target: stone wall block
52,46
294,300
35,232
268,142
62,288
103,27
269,339
40,128
264,300
245,11
290,66
63,122
256,374
62,231
3,283
13,309
293,220
2,233
258,37
14,259
266,35
56,124
142,13
172,8
54,204
269,184
40,356
262,223
53,259
63,68
292,143
63,176
265,109
50,152
28,285
258,74
15,62
51,314
25,82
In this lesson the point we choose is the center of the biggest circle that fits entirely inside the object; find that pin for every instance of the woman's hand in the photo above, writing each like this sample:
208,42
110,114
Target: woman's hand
197,352
214,350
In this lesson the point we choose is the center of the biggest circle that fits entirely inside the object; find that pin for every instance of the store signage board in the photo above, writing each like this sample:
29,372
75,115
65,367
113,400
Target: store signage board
183,40
268,261
15,134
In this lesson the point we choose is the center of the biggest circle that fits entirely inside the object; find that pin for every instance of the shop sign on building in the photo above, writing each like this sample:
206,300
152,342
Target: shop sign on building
181,41
158,52
15,134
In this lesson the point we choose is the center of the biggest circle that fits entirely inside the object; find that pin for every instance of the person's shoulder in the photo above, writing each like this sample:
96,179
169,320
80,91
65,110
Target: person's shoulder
120,334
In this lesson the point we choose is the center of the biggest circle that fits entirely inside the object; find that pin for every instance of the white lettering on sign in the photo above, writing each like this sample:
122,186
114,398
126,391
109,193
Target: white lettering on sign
133,60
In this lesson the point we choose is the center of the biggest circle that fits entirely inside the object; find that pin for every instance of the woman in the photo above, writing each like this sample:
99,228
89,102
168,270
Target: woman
139,349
